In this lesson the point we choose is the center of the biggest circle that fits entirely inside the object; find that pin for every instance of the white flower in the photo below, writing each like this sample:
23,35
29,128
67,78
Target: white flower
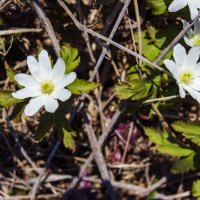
179,4
186,70
45,86
192,38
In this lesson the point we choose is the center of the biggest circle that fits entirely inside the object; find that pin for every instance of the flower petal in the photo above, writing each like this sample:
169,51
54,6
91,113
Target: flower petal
196,84
171,66
25,80
197,26
193,8
34,68
193,55
195,94
59,68
45,63
62,94
179,54
26,93
67,79
177,5
51,105
34,105
188,41
181,91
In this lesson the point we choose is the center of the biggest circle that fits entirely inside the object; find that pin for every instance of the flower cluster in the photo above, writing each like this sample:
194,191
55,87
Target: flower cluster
185,68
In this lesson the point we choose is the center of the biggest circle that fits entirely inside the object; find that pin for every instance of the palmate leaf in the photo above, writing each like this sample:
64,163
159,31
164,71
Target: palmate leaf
189,130
66,134
70,57
82,86
196,189
158,7
134,89
165,144
186,164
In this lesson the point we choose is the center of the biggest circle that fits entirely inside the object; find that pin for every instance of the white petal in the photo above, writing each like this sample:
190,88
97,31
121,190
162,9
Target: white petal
193,55
196,84
67,79
34,105
171,66
62,94
45,63
195,94
177,5
193,8
51,105
188,41
59,68
25,80
26,93
34,68
179,54
197,27
198,3
181,91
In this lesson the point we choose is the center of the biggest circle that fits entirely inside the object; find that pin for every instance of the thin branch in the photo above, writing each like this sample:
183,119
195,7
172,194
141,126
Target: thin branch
98,156
21,30
48,26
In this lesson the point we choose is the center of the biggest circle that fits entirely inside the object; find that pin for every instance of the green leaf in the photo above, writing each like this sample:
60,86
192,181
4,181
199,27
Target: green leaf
134,89
158,7
46,122
70,57
196,188
189,130
11,73
166,144
64,130
6,99
17,112
184,165
81,86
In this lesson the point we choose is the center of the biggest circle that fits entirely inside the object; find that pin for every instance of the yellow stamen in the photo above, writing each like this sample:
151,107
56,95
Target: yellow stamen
186,77
47,87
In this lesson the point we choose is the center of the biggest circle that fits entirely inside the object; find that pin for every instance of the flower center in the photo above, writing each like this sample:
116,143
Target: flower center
186,77
47,87
196,39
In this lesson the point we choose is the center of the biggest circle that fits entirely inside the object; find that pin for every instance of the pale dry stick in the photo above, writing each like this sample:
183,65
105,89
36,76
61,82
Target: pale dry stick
173,197
48,26
98,156
176,39
136,190
127,144
82,27
113,31
137,14
100,143
132,36
161,99
85,34
4,3
21,30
